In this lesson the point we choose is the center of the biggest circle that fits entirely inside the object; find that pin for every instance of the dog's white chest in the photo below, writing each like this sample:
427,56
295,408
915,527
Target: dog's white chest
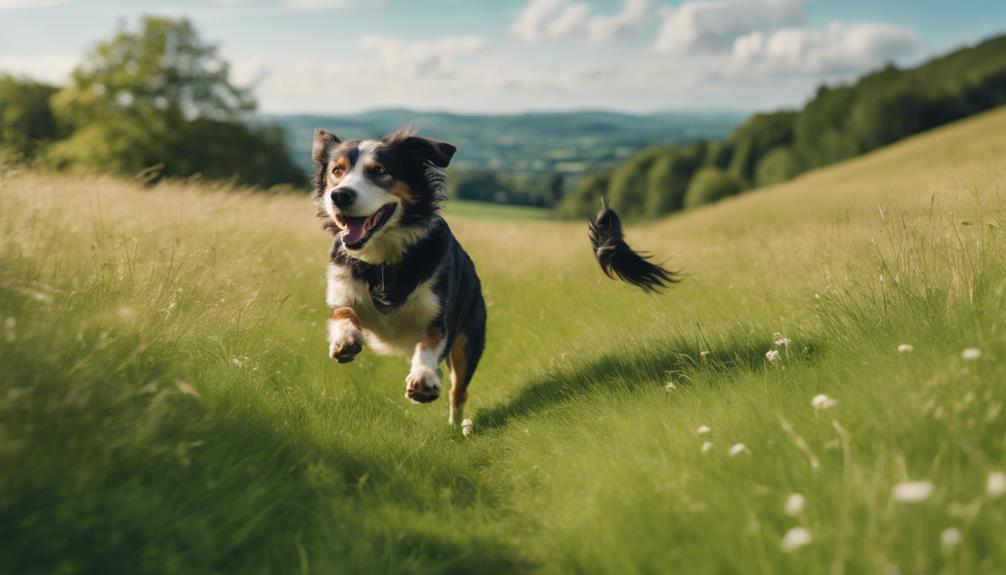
394,332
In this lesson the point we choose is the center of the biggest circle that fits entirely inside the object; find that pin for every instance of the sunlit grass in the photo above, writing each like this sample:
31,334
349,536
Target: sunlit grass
167,404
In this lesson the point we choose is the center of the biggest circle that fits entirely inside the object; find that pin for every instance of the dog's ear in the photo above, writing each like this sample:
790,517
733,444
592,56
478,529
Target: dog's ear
437,153
322,142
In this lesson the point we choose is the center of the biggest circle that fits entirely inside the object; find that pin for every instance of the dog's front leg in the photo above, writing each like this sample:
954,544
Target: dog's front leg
422,385
345,339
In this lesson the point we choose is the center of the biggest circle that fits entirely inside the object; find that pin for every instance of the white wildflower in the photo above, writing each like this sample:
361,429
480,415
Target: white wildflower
912,491
703,429
704,354
783,342
822,401
736,449
707,447
971,354
995,485
794,504
950,537
905,348
772,355
796,538
467,425
670,386
236,362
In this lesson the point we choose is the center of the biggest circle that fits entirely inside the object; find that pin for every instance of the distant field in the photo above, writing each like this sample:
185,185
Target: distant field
531,143
166,403
468,209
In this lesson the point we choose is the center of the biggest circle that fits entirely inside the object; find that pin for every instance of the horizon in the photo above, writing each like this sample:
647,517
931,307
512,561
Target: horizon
640,57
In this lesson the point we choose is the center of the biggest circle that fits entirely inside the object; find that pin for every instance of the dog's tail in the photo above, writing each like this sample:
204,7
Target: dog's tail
620,261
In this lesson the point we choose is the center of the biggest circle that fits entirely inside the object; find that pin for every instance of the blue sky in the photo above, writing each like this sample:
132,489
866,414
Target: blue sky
334,56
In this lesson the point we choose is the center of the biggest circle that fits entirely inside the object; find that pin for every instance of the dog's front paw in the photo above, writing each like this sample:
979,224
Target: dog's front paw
345,345
422,386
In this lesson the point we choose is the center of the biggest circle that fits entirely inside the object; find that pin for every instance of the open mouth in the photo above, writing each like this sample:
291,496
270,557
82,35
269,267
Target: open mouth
357,230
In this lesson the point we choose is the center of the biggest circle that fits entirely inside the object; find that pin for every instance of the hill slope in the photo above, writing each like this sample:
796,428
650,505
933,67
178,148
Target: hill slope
167,404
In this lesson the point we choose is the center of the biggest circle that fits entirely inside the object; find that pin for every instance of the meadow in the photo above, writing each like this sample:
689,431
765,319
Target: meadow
167,403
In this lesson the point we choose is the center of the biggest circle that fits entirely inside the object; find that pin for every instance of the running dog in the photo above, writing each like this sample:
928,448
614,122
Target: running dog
398,280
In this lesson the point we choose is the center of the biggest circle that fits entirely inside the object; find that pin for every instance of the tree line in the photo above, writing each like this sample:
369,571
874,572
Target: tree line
838,123
156,101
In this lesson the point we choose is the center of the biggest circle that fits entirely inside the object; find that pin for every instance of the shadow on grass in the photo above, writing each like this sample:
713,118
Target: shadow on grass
630,371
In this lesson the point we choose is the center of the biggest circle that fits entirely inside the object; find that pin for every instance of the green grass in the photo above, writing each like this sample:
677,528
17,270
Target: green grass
470,209
167,404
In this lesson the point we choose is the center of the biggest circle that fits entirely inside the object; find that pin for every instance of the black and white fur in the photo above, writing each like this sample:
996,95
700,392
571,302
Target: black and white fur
398,280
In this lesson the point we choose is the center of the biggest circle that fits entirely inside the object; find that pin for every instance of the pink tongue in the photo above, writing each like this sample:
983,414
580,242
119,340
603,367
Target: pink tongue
354,230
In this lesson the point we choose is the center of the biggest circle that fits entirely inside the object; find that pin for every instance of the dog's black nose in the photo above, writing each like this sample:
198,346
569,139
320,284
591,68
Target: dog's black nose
342,197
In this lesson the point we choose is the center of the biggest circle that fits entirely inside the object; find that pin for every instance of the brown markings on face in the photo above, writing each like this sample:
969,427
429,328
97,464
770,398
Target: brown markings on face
432,337
338,169
457,360
346,313
404,192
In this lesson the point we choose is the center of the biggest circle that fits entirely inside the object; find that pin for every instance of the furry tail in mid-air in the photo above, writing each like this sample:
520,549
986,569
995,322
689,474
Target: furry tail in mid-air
620,261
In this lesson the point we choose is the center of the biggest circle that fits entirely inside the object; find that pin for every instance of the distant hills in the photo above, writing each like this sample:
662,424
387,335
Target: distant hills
527,143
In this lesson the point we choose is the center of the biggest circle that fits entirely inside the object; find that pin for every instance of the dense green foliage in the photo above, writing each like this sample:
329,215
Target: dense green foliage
502,188
167,404
838,123
156,100
26,120
710,184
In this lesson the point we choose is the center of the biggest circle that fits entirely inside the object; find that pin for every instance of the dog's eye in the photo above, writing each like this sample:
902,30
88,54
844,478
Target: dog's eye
378,171
338,170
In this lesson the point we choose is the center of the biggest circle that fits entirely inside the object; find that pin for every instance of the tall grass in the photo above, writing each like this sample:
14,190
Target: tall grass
166,403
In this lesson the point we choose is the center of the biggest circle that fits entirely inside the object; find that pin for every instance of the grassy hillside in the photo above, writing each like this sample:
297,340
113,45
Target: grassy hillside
167,404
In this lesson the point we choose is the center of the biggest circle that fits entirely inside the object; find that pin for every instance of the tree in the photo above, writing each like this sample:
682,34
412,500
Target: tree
26,120
668,177
777,166
755,138
163,68
709,185
160,96
585,199
627,190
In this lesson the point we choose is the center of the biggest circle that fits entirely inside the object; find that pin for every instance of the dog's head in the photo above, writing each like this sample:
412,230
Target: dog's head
379,195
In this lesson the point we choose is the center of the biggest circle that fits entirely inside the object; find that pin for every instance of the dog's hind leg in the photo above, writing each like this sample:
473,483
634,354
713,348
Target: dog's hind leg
462,359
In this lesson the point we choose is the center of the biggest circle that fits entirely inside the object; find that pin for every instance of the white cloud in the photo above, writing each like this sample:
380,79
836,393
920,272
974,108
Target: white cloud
408,60
624,23
712,25
53,69
531,21
28,4
564,19
837,49
571,22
